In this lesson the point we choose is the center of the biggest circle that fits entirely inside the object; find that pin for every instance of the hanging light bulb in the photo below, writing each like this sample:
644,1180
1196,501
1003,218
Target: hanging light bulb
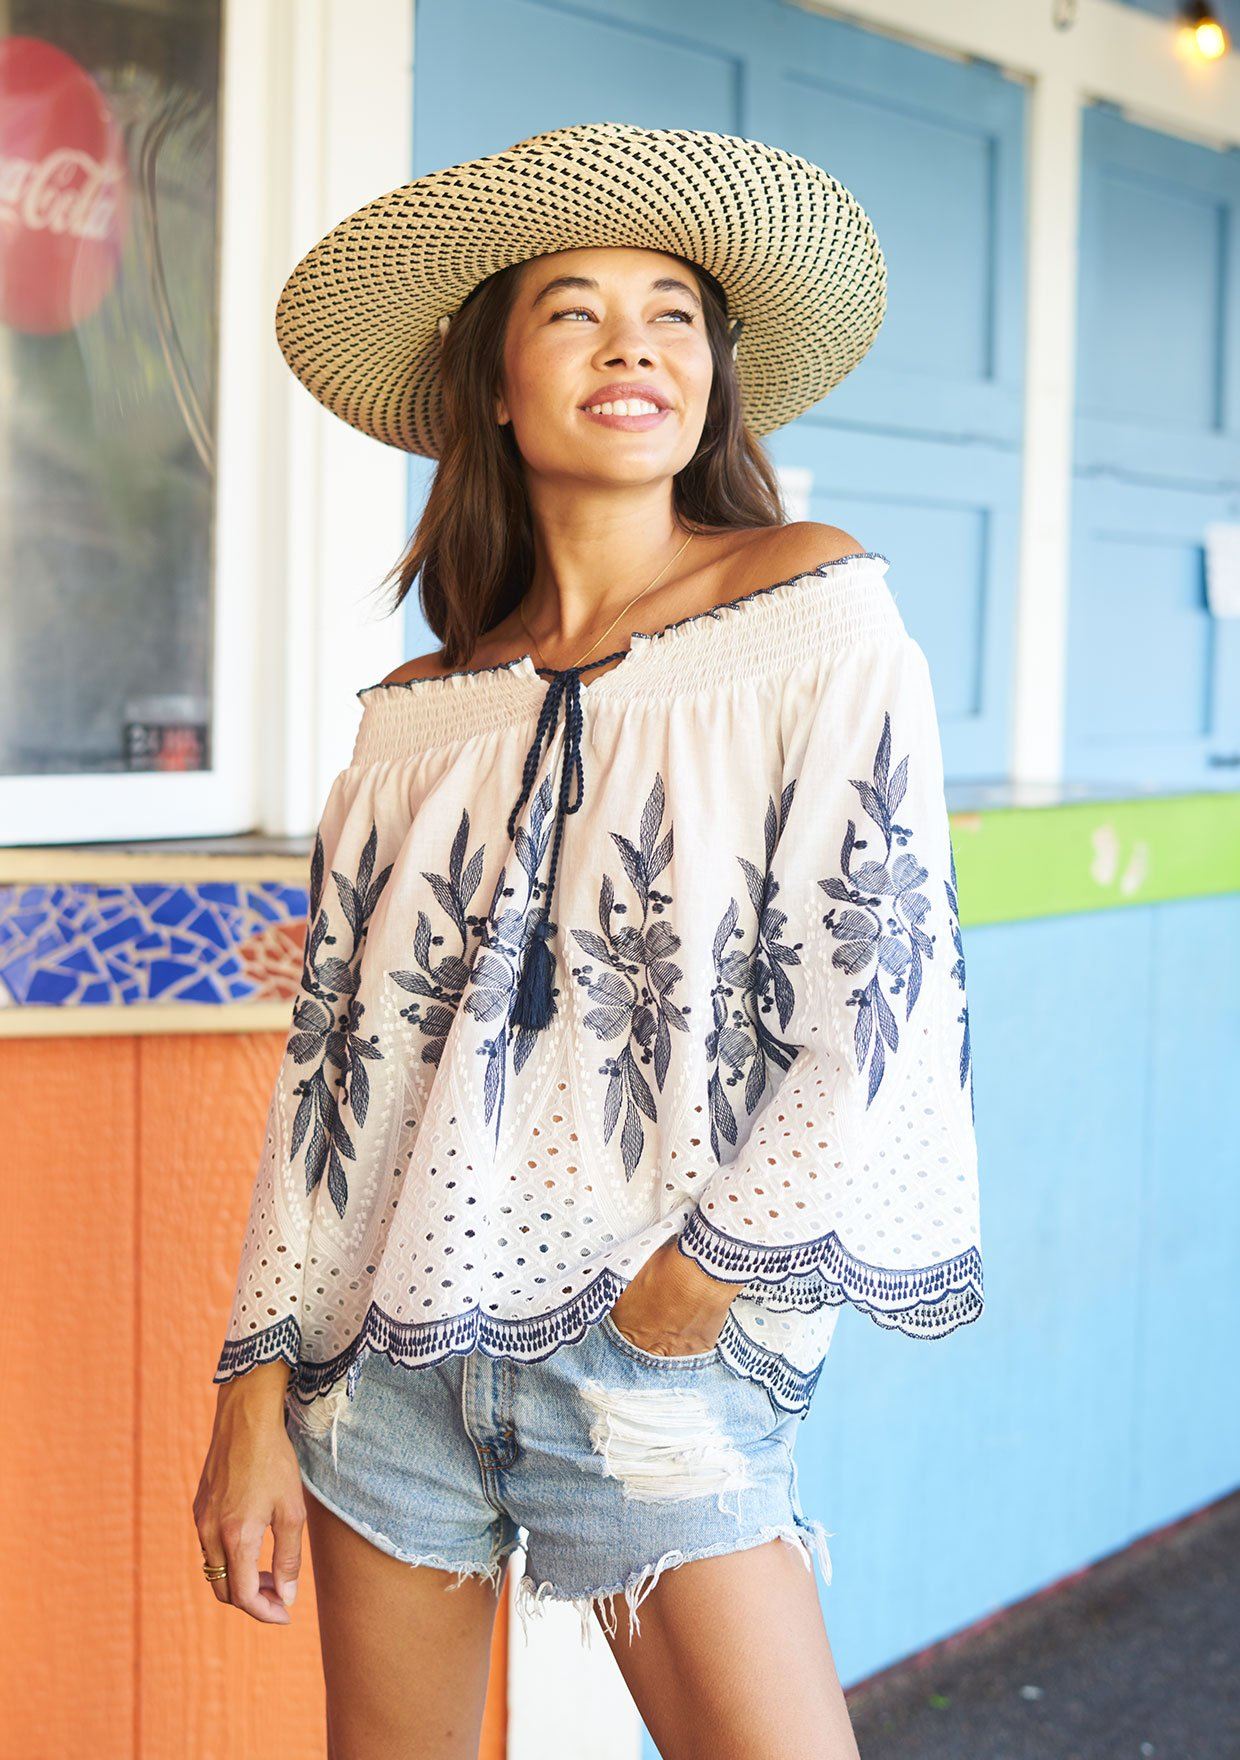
1204,35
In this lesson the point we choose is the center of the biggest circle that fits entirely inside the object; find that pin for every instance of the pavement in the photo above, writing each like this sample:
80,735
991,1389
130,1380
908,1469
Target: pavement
1135,1658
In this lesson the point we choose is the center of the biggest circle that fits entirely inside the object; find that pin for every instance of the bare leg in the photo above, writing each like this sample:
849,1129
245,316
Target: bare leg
733,1662
406,1653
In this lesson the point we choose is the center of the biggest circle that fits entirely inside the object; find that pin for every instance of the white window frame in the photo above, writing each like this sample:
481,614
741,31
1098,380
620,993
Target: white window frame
316,118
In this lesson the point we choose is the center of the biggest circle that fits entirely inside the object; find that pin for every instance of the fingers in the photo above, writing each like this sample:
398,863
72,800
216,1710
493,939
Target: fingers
287,1525
242,1541
213,1553
251,1482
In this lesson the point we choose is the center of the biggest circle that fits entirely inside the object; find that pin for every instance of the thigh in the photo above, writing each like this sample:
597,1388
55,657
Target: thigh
406,1650
733,1662
410,1553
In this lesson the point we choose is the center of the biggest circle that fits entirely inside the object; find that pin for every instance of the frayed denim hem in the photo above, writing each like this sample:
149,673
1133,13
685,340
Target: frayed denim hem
493,1572
808,1536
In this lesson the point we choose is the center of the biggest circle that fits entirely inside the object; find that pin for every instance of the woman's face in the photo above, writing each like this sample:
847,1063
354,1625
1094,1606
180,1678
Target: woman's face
586,324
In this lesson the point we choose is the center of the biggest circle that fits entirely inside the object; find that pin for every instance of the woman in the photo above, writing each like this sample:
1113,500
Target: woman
616,1068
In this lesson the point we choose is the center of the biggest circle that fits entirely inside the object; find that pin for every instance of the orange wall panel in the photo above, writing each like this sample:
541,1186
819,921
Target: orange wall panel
68,1568
214,1683
132,1160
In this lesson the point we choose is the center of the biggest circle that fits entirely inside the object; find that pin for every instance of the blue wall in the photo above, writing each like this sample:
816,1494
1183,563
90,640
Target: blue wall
1095,1398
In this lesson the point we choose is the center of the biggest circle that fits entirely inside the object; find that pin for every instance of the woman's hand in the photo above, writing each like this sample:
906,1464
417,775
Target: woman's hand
250,1482
673,1308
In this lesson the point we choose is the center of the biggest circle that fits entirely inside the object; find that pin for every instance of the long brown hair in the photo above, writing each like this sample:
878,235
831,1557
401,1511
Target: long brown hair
474,547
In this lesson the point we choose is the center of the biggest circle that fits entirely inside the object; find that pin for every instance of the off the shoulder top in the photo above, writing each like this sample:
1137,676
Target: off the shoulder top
591,964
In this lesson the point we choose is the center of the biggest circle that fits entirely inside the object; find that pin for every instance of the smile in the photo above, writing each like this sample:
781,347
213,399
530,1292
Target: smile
635,413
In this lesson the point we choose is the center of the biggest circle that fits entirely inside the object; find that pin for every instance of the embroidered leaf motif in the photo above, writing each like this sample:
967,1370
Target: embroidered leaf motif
958,973
632,992
439,980
748,987
339,1082
879,925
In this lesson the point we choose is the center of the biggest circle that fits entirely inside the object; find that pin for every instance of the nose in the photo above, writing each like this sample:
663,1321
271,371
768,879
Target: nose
638,358
625,343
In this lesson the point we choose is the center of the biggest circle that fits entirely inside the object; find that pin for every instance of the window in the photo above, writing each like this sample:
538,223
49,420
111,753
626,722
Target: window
109,227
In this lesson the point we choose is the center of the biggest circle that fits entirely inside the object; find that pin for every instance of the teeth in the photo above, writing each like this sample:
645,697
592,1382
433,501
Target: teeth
634,407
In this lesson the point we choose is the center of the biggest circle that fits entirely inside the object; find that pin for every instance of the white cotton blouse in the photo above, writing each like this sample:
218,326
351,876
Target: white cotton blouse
591,964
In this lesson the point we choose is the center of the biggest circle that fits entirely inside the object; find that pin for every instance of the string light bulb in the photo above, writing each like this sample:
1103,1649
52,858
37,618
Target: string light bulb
1204,34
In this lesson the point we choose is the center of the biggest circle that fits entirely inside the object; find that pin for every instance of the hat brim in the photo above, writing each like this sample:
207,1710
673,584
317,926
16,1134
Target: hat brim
797,256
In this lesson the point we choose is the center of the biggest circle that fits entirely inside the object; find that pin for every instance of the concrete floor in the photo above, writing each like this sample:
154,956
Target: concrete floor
1135,1659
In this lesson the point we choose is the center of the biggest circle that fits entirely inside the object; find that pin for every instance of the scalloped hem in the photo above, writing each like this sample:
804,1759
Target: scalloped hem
419,1344
894,1300
927,1302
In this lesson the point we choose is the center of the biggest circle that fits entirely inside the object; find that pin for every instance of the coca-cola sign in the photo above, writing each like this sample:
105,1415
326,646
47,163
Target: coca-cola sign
64,189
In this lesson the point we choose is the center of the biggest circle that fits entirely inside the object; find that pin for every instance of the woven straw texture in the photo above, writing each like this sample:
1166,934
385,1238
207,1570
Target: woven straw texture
357,320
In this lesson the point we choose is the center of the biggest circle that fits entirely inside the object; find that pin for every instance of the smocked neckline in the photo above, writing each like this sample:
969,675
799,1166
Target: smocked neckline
641,642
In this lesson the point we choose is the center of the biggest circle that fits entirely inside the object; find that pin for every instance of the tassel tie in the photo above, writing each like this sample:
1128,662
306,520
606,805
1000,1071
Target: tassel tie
534,1004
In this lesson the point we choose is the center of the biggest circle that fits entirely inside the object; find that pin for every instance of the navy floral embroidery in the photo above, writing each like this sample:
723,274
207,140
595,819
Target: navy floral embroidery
748,985
493,977
879,924
958,973
633,990
440,980
333,1043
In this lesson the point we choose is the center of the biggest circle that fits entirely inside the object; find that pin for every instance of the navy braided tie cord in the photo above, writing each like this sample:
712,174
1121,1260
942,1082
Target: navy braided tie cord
534,1004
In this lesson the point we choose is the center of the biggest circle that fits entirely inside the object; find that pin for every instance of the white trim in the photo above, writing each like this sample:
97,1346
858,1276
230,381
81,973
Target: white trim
566,1696
1053,202
338,499
142,1019
1131,59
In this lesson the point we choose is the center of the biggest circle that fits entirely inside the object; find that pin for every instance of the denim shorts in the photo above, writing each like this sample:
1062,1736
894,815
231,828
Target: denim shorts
608,1463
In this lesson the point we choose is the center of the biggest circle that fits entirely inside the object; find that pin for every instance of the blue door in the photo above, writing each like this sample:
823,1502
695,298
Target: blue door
1153,679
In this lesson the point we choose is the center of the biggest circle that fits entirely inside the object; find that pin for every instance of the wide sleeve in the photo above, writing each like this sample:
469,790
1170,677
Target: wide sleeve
856,1179
306,1139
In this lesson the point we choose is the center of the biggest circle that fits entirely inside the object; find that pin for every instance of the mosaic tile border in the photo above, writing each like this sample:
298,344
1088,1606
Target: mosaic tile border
208,943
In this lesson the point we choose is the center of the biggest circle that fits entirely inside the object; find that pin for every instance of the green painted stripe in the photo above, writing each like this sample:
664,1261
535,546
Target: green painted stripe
1013,863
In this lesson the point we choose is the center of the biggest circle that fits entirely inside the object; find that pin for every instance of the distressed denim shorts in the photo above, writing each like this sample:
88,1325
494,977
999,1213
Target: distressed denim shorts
608,1463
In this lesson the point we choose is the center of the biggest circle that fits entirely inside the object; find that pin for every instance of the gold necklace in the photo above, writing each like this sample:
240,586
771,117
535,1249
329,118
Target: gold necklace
615,620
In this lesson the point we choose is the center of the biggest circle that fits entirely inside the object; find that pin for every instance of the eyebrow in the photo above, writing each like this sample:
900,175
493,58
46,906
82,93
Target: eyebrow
661,284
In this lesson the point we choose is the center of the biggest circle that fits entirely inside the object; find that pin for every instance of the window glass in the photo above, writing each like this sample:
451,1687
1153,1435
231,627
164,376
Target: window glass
108,325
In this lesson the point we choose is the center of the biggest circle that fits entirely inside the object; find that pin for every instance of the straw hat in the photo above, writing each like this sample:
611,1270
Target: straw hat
360,318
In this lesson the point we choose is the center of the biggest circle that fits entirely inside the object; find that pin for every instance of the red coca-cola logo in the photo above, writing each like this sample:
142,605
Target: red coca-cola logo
64,189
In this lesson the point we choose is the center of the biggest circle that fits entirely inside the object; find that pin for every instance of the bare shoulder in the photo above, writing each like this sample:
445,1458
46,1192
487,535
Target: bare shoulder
425,666
784,552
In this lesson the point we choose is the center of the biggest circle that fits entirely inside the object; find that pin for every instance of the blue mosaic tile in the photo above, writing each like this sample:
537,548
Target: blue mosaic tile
203,991
173,907
50,987
74,946
80,959
207,923
123,930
